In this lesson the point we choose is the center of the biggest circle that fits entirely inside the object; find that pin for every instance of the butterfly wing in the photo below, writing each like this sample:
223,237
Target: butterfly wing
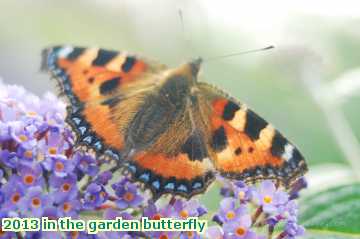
120,106
98,83
244,146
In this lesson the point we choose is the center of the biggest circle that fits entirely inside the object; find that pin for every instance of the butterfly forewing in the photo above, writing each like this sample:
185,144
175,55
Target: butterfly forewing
97,81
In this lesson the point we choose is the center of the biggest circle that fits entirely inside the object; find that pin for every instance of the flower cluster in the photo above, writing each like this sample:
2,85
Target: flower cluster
42,175
249,212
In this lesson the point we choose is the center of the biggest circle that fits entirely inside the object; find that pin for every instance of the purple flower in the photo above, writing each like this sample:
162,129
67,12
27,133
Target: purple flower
8,114
31,176
9,159
86,164
24,135
127,194
183,209
152,212
59,165
26,155
242,192
239,229
53,144
297,187
34,202
293,230
69,208
268,197
229,211
13,191
63,188
215,232
95,196
104,177
226,189
237,189
201,210
288,211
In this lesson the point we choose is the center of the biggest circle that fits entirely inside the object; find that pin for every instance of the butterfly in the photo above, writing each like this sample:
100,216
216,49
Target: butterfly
172,132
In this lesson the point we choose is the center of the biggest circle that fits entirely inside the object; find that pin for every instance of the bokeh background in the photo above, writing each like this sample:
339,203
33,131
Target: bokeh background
306,86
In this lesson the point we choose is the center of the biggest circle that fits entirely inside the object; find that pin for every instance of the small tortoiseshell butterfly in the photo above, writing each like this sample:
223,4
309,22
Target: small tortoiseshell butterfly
171,131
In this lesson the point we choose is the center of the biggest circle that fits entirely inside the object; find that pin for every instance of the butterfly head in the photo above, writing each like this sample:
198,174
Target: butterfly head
195,66
188,71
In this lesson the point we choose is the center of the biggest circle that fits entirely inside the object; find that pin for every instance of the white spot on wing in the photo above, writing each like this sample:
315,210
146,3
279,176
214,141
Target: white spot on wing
239,120
65,51
288,152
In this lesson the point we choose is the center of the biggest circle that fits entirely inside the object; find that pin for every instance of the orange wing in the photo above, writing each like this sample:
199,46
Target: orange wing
246,147
178,174
96,81
108,92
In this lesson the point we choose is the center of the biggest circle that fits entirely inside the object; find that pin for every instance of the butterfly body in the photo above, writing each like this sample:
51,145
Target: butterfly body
171,104
173,132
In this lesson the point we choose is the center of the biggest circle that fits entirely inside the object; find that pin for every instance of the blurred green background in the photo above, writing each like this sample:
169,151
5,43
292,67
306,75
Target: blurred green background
308,37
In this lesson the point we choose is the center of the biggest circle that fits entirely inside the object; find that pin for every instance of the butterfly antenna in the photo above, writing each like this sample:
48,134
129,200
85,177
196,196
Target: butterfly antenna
185,38
239,53
181,21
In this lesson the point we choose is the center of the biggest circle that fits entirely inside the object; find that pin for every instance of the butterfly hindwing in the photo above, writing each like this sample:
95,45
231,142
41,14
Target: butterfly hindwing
176,174
246,147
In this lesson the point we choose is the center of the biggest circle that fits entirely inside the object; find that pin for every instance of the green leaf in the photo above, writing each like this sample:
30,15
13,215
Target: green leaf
334,213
